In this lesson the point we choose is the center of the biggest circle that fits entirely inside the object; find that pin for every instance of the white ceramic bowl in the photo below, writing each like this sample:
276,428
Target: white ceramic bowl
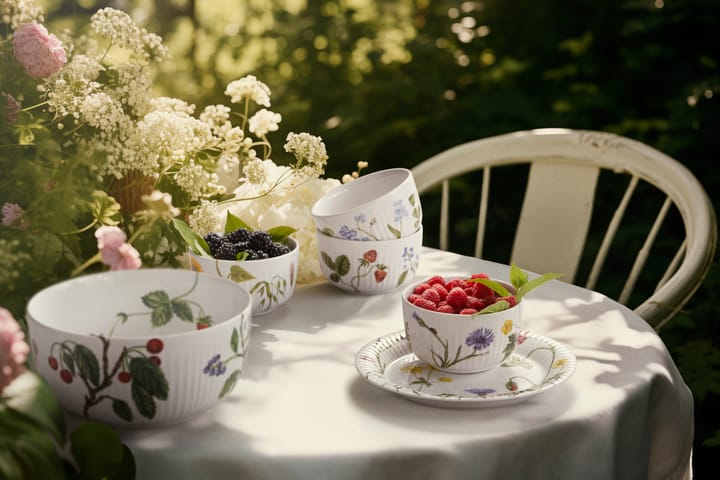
369,267
461,343
141,347
270,281
382,205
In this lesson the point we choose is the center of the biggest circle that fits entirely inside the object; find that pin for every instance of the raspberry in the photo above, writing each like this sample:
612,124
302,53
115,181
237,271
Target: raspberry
482,291
421,288
437,279
445,309
431,295
476,303
426,304
454,283
480,275
413,298
512,301
468,311
442,291
456,298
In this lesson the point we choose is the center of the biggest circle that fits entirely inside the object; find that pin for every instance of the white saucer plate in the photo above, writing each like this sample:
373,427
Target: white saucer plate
537,365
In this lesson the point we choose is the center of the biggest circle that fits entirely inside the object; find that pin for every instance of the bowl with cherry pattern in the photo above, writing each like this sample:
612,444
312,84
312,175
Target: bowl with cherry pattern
139,348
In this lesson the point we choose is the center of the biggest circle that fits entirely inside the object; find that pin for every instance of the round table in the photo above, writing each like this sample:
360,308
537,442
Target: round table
301,410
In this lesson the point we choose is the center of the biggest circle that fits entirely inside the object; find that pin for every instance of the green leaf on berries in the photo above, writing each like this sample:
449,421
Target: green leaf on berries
122,410
342,265
195,242
518,277
281,233
149,377
87,364
229,384
492,284
498,306
233,223
534,283
182,310
394,231
234,339
158,298
239,274
241,256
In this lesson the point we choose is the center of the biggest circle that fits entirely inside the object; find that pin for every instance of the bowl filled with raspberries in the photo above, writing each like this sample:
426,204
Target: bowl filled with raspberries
466,324
263,262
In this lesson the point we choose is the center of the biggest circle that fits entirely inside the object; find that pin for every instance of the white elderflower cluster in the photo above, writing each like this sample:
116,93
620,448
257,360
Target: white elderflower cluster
19,12
264,121
248,88
309,151
121,31
198,182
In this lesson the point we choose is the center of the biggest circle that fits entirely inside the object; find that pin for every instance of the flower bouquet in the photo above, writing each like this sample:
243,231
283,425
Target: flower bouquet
97,170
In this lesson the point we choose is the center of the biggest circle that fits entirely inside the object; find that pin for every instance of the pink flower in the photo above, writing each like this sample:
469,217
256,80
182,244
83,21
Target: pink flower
114,251
40,53
13,349
11,213
12,108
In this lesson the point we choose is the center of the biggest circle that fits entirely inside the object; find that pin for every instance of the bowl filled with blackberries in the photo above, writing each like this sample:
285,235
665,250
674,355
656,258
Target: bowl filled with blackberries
264,263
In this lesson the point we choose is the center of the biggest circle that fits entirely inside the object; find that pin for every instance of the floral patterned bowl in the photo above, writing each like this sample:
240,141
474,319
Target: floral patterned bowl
461,343
382,205
369,267
138,348
270,281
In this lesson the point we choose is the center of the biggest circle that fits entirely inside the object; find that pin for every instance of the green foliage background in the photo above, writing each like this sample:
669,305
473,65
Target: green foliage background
397,81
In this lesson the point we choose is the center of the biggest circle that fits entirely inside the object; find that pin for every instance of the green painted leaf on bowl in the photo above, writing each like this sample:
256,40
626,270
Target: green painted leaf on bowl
87,364
239,274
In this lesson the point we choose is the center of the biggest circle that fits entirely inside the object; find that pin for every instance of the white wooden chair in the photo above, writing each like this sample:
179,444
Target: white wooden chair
563,168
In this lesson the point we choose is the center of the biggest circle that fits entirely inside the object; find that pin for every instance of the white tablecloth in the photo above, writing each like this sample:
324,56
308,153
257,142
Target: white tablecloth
301,411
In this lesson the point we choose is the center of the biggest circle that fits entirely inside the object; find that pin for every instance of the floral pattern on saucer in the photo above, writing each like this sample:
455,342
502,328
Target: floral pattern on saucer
537,364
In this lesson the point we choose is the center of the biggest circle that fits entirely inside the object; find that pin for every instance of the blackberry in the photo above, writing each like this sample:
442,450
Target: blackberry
278,249
260,240
227,251
256,254
214,241
239,235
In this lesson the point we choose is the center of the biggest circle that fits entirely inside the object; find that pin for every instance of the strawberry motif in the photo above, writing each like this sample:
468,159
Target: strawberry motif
370,256
380,275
